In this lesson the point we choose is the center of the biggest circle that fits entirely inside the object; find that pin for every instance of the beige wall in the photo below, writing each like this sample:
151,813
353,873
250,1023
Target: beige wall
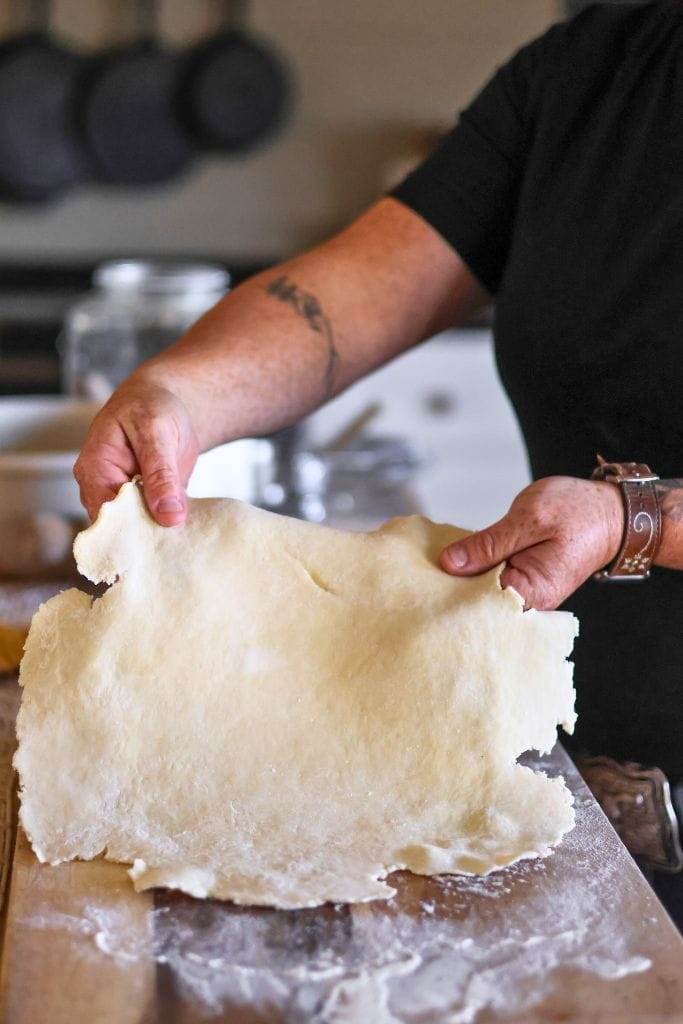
369,75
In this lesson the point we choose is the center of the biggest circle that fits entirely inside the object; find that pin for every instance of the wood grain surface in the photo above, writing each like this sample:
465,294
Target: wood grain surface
578,938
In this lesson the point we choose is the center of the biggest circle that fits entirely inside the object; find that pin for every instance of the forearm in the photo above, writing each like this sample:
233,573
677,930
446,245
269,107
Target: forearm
670,493
288,339
258,361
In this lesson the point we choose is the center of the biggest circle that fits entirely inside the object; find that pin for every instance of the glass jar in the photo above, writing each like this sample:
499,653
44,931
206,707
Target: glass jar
137,308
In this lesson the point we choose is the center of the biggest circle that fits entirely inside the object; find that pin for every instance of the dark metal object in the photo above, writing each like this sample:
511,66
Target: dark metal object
234,91
126,112
575,6
638,802
40,154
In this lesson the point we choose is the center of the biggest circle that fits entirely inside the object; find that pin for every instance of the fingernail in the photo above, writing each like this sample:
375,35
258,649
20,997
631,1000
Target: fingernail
170,505
457,557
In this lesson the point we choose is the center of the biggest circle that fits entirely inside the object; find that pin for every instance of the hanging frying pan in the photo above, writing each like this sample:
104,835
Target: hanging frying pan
234,91
39,149
127,118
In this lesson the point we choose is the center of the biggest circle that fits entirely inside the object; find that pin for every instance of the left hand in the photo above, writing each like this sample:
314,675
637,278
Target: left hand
558,532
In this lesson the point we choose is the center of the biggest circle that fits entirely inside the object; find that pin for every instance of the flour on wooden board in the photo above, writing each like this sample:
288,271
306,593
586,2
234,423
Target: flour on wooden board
495,943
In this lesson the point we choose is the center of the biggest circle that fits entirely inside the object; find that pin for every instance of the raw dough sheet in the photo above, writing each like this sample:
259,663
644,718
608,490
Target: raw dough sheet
273,712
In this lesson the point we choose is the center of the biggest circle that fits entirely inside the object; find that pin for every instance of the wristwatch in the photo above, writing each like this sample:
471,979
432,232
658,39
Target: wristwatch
642,519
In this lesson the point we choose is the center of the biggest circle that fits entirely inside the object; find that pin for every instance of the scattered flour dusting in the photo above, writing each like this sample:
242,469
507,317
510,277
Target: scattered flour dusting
442,951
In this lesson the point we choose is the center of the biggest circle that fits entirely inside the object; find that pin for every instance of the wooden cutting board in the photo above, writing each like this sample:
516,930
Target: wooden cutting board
578,936
53,914
45,917
540,942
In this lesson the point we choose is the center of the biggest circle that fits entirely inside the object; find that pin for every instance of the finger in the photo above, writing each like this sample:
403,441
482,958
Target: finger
540,576
97,493
486,548
161,481
98,481
105,463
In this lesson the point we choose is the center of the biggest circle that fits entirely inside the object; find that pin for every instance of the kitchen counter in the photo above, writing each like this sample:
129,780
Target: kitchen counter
577,937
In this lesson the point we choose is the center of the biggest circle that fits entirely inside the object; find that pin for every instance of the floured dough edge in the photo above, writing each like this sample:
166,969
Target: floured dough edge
200,882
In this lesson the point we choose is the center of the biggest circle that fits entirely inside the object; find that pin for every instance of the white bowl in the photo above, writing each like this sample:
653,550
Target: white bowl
40,437
240,469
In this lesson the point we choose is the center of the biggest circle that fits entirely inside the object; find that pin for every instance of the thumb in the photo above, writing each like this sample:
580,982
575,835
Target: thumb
484,549
161,481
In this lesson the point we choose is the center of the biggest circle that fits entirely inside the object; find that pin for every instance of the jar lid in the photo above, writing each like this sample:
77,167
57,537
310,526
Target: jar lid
158,277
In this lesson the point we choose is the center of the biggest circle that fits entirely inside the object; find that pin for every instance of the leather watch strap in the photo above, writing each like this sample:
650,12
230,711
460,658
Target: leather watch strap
642,519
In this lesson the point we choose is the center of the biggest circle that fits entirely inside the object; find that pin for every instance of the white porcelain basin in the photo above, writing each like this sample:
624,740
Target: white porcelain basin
240,469
40,437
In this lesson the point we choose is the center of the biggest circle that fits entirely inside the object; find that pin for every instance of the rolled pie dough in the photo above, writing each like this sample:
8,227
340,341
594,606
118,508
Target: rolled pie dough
274,712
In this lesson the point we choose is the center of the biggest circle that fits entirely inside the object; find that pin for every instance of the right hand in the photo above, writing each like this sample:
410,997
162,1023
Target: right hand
144,428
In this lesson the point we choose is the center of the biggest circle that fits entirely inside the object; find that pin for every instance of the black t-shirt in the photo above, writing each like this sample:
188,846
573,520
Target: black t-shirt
562,188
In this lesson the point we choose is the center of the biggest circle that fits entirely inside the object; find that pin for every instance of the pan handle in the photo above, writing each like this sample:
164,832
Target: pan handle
30,16
131,21
231,14
145,18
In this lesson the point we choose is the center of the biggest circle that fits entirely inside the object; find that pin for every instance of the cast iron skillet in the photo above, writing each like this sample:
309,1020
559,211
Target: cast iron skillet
40,154
234,92
126,114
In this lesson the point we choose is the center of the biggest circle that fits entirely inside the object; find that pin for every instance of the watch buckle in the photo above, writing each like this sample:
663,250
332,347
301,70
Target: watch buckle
631,479
605,576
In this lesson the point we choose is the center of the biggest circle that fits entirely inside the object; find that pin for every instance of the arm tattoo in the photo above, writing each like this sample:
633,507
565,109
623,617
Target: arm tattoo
308,307
670,494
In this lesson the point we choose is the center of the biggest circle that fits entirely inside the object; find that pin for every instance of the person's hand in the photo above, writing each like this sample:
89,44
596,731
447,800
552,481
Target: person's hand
557,533
144,428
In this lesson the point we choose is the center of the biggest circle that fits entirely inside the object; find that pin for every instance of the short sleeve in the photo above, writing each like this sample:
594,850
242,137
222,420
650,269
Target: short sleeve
468,188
